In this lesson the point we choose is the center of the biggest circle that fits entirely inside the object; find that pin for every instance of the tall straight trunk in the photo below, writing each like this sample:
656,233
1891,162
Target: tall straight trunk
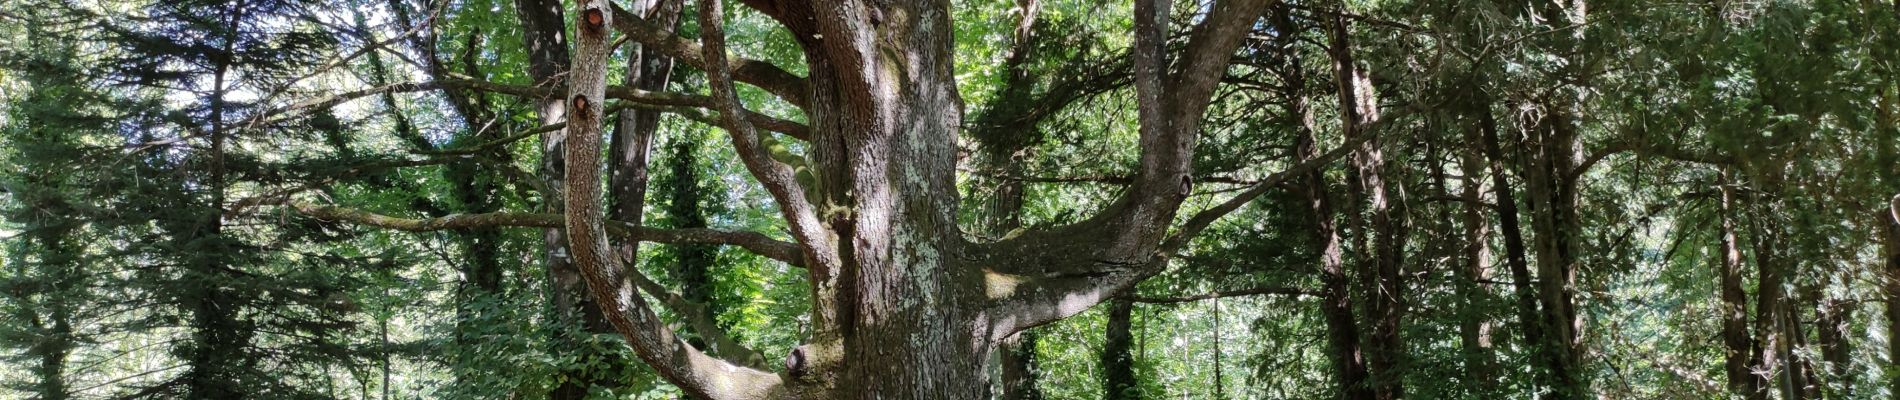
216,346
1550,369
1774,346
1474,325
542,25
1736,342
1343,347
1118,361
1342,327
1380,270
1889,223
1553,200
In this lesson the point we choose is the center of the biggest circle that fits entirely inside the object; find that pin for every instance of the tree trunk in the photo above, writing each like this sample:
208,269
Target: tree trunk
1118,361
1737,344
1774,346
1890,247
1380,270
215,351
1552,370
1552,191
1474,325
542,34
903,306
1342,327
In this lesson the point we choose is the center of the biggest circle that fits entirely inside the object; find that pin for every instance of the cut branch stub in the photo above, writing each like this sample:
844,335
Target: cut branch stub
580,105
593,20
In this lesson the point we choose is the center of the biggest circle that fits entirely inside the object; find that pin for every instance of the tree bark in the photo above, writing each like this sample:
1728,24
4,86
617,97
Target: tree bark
1890,247
1336,305
1380,270
1737,344
1118,361
1474,325
1551,369
903,306
1550,184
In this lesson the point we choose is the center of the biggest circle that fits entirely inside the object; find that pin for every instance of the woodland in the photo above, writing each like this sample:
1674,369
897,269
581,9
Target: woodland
950,199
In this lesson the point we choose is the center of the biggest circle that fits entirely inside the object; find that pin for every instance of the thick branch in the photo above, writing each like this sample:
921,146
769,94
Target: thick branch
614,291
704,323
1285,291
687,105
762,74
1053,274
778,178
751,241
1200,221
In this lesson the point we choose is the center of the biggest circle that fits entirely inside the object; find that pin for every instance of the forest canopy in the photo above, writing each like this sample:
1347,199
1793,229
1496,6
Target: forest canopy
949,199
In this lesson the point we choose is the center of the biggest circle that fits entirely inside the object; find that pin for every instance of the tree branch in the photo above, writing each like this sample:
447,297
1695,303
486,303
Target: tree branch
762,74
614,291
679,103
778,178
1287,291
704,323
755,242
1052,274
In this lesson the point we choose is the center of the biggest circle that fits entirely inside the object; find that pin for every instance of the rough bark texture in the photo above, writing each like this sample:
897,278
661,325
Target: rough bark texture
903,306
1336,305
1551,188
604,275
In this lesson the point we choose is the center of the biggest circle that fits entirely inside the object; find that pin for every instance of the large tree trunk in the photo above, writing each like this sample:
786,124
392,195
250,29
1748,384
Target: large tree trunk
903,306
1549,182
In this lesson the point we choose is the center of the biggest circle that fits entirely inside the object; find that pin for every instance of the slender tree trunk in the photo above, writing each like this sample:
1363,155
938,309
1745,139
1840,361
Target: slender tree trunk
1551,371
216,346
1342,327
542,29
1118,362
1474,325
1775,347
1554,206
1890,247
1380,270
